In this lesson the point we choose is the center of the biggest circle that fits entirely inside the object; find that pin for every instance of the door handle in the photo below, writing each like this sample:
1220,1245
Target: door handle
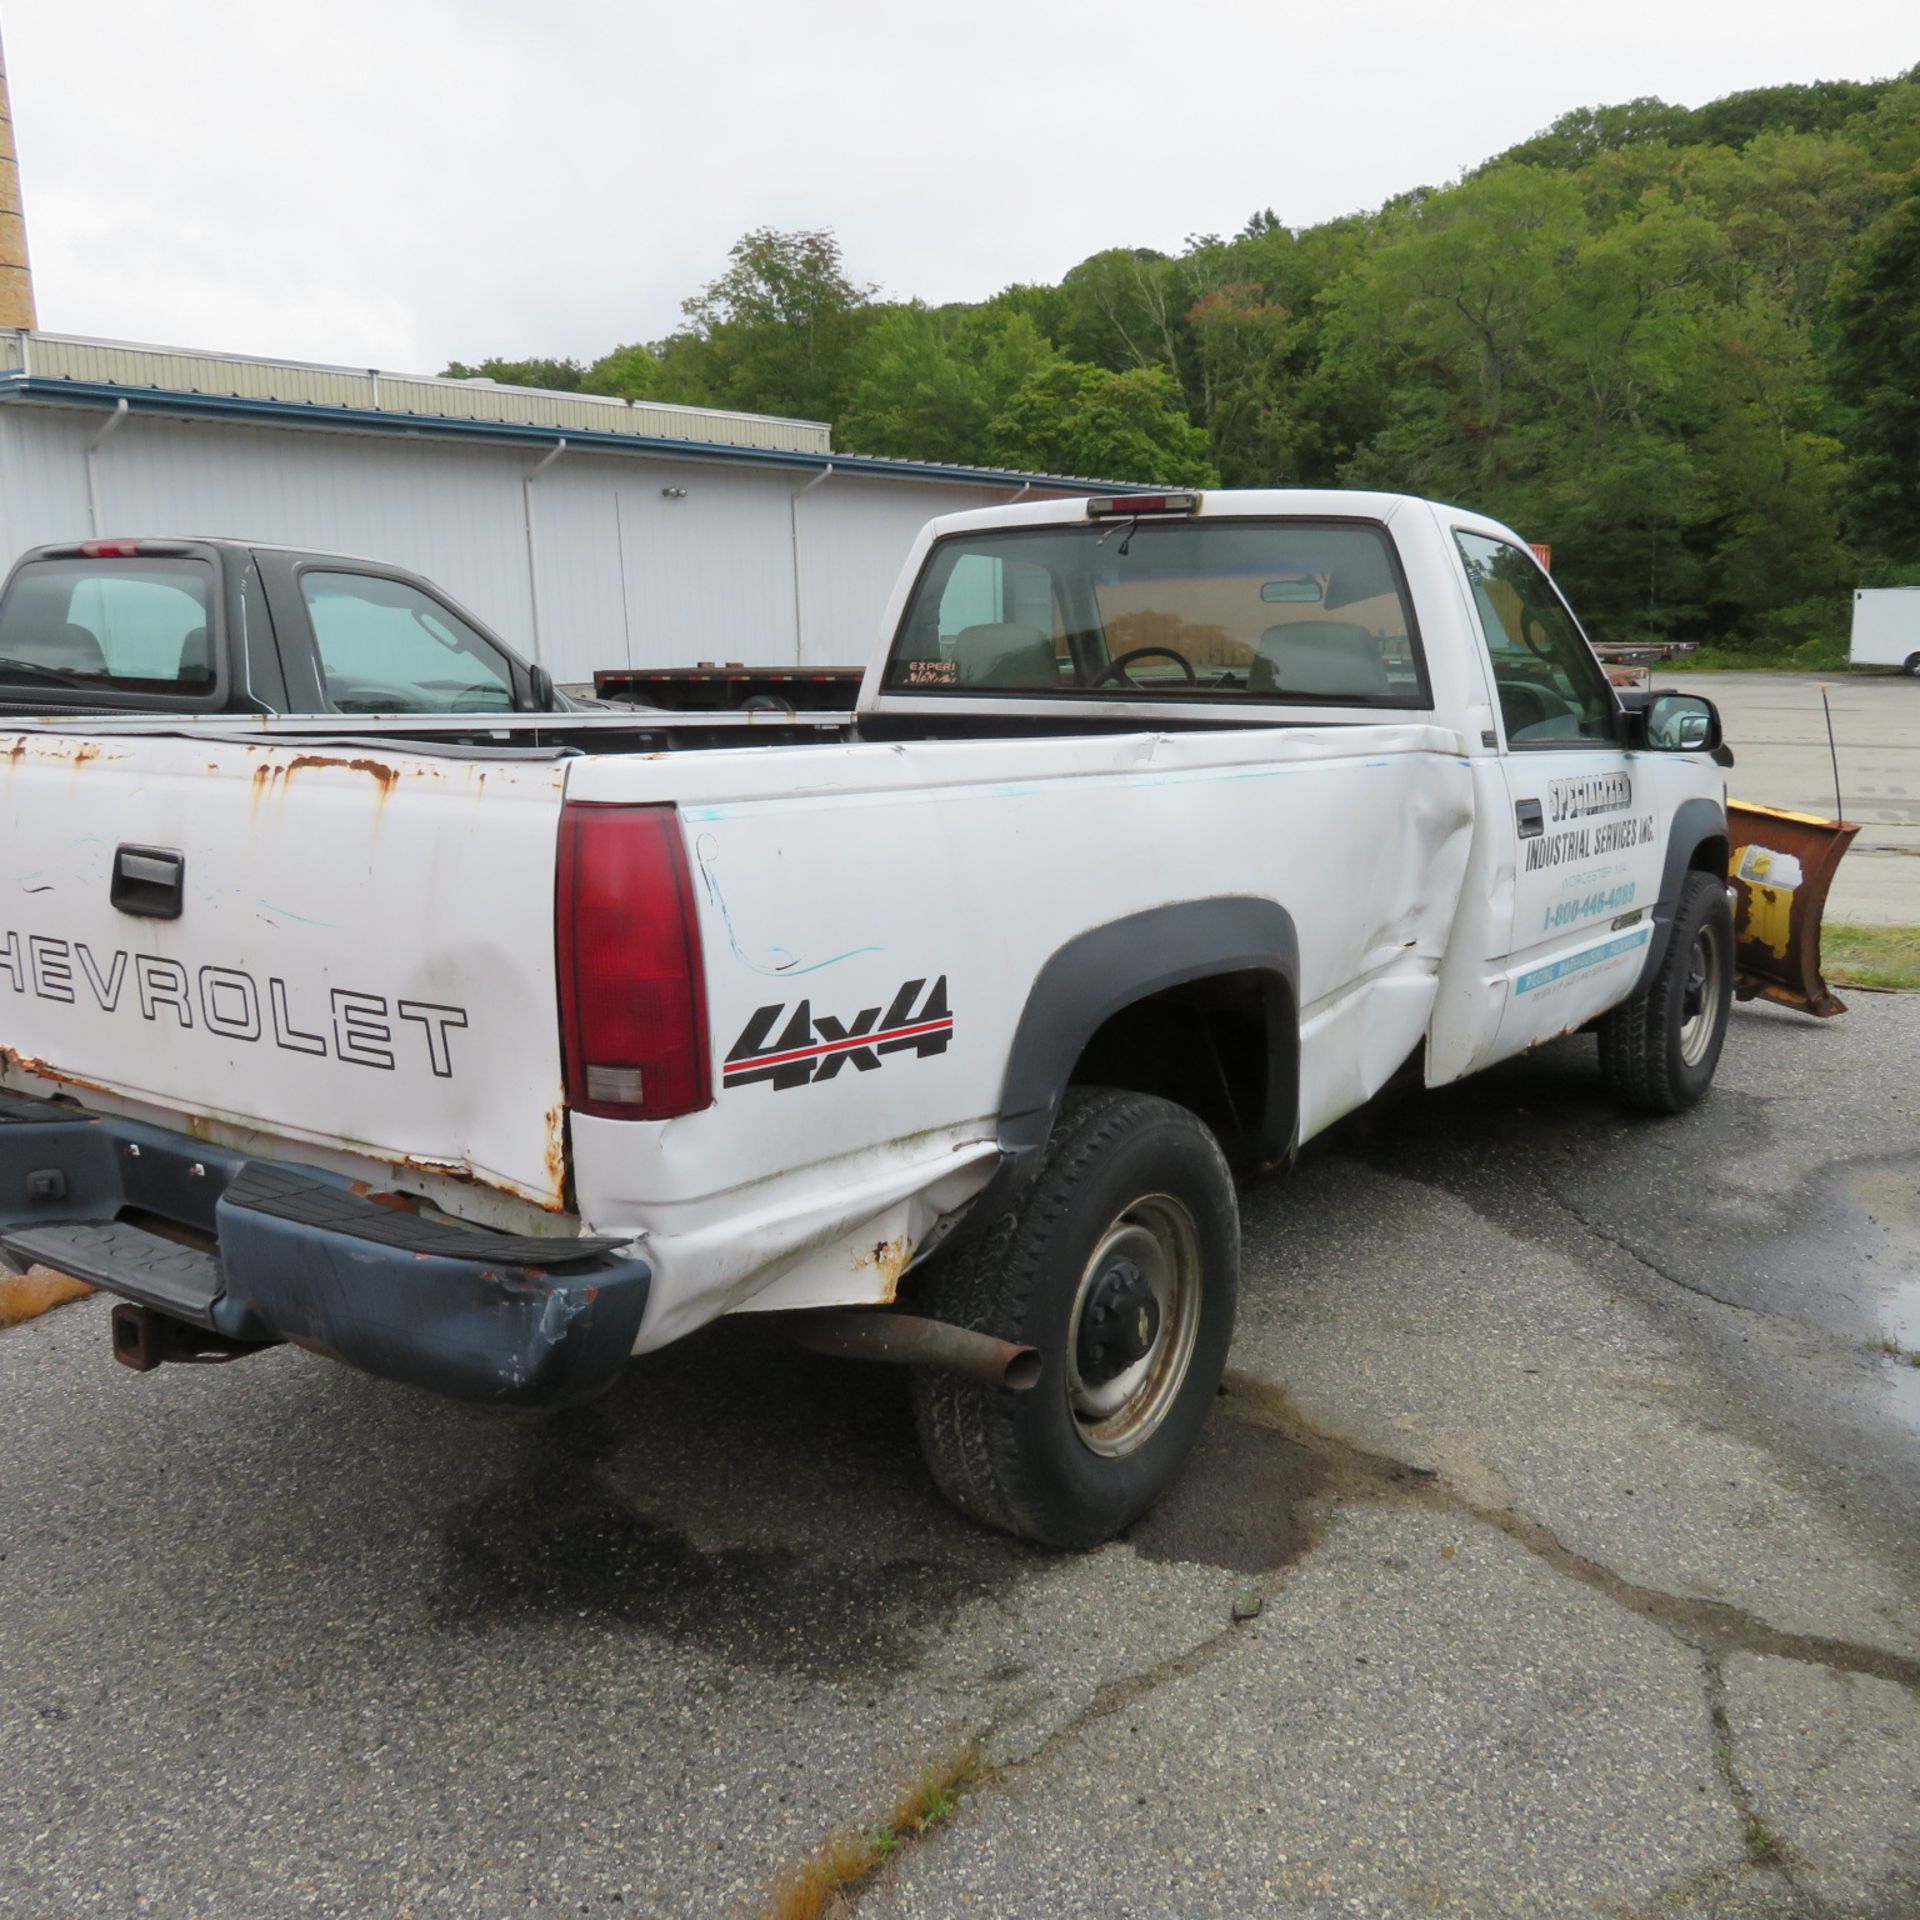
1529,818
148,881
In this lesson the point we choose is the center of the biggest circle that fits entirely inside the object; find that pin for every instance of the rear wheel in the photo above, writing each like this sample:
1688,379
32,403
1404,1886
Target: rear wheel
1659,1051
1121,1267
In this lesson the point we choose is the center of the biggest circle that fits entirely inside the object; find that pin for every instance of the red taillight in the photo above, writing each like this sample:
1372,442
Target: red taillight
110,549
633,1005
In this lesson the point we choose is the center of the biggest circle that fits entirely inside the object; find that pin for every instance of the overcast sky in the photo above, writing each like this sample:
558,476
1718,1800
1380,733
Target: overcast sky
400,183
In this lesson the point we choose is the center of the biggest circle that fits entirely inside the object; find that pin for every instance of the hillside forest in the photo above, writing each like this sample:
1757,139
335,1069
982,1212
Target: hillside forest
1680,345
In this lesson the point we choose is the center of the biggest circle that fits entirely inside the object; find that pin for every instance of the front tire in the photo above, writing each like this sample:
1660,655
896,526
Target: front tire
1121,1266
1658,1052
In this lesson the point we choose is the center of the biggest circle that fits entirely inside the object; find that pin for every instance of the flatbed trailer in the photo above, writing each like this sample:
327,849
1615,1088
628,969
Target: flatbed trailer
713,687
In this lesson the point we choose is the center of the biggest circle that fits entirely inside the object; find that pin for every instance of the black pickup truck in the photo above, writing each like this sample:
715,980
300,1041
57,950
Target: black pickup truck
227,626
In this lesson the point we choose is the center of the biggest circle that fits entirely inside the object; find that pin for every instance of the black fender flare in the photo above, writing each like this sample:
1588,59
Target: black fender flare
1105,970
1696,823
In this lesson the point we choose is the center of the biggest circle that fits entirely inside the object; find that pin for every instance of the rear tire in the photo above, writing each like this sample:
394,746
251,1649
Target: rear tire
1659,1051
1121,1267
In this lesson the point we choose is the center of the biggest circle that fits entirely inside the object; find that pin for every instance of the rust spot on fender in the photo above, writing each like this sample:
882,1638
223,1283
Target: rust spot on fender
45,1070
887,1258
556,1158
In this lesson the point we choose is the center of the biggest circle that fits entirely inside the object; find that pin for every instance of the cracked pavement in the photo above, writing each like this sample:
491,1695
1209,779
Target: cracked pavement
1581,1503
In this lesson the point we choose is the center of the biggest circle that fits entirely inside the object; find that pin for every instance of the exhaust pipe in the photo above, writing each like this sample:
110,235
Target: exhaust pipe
909,1339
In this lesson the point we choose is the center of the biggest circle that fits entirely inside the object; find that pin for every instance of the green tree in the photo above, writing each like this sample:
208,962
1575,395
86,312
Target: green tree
1876,363
933,379
1240,348
628,373
778,332
555,376
1576,137
1071,418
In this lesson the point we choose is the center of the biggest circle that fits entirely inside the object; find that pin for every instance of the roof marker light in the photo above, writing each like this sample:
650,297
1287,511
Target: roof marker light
1130,506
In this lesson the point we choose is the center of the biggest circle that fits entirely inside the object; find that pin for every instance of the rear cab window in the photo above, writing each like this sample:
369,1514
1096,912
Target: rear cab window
111,628
385,646
1272,611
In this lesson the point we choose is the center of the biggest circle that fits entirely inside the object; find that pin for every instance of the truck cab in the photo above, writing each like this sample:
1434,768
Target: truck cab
211,626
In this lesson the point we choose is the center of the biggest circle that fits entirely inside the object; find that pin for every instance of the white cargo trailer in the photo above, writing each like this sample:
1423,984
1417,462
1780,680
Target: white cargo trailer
1886,627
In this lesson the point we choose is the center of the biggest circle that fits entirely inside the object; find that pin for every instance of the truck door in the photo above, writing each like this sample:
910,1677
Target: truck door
1589,819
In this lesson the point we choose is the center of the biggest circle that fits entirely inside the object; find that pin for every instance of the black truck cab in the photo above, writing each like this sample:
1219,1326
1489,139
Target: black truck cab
194,625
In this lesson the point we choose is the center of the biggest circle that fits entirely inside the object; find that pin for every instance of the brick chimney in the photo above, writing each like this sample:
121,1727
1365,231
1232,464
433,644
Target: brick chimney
16,276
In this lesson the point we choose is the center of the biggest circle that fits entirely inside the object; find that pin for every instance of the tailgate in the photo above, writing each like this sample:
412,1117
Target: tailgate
330,944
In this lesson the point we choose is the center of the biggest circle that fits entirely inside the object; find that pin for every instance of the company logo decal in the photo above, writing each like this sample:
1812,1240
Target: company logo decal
228,1003
795,1047
1590,793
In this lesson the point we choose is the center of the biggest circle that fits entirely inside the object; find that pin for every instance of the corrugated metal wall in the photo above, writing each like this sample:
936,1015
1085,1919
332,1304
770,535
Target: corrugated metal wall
626,575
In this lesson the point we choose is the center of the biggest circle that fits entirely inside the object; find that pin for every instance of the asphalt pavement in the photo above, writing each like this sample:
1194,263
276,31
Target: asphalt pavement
1559,1448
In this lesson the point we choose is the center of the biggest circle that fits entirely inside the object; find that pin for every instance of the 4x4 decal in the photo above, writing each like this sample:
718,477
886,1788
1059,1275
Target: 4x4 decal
813,1046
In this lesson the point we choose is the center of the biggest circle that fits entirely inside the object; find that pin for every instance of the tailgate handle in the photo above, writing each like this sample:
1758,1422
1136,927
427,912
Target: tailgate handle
148,880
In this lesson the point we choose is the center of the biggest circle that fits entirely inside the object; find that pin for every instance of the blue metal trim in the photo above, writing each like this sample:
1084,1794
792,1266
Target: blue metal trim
222,406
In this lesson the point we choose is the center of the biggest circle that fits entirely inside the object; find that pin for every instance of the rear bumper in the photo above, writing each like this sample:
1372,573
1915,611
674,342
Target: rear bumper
280,1251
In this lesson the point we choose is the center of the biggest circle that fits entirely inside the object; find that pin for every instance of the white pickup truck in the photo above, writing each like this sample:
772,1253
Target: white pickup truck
484,1051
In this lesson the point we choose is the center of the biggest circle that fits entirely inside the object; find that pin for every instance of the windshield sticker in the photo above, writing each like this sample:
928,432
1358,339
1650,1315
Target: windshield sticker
809,1047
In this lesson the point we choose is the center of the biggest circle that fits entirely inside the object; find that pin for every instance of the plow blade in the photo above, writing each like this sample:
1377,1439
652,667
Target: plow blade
1781,868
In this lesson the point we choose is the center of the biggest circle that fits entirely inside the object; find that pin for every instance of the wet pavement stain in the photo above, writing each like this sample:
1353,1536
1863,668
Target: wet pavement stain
1239,1505
1853,1264
559,1540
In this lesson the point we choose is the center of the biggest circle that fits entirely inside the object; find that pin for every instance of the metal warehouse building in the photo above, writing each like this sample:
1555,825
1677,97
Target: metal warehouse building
590,532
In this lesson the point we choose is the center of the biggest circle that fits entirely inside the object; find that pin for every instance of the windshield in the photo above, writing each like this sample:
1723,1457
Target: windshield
111,625
1275,611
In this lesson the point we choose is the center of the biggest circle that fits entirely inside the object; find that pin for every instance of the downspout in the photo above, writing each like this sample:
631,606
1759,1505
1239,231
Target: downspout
793,536
112,425
532,474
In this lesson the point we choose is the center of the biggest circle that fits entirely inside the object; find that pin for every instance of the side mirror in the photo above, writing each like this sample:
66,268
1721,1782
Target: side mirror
540,688
1680,723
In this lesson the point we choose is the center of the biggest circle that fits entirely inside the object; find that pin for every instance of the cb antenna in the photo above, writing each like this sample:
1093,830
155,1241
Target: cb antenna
1833,754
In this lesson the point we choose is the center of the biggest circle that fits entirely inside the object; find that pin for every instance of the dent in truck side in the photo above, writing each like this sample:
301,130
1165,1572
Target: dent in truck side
976,862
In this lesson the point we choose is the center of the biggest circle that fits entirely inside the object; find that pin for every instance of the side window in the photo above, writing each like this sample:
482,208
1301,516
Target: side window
119,625
386,647
1553,692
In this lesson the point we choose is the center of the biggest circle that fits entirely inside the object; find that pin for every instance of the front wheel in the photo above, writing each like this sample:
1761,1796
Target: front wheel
1121,1267
1658,1052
